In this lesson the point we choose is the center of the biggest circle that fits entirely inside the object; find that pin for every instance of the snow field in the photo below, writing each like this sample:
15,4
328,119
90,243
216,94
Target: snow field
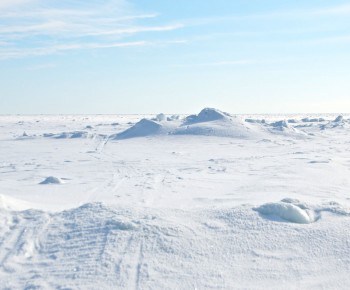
207,201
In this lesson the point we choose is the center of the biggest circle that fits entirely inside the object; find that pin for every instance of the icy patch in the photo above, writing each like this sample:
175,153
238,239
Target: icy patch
289,210
52,180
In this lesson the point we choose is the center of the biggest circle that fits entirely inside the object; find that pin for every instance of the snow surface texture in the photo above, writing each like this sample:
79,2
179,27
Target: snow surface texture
208,201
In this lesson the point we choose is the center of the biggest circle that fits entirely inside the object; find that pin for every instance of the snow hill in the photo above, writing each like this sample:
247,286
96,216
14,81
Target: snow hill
209,122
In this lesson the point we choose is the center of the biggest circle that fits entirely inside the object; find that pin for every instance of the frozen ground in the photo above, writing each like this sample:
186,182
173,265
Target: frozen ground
205,201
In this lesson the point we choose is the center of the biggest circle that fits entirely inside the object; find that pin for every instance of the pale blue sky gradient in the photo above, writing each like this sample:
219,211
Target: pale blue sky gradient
119,56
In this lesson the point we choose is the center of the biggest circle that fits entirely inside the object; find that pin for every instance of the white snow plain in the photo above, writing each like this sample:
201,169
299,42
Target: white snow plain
207,201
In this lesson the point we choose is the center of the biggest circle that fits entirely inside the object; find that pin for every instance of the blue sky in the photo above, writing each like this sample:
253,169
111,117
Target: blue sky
119,56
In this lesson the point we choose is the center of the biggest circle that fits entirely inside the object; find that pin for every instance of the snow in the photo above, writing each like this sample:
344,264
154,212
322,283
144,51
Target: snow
52,180
207,115
141,129
338,119
287,211
214,201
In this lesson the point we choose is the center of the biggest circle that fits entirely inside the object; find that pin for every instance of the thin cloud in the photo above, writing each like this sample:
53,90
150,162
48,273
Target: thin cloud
334,10
5,4
331,11
55,49
218,63
46,29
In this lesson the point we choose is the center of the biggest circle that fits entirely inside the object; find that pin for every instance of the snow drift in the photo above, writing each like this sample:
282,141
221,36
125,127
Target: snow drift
287,210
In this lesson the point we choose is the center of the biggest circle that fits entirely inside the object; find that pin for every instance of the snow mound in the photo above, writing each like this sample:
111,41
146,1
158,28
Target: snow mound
288,210
338,119
338,122
212,122
233,127
143,128
160,117
209,122
281,125
285,128
52,180
206,115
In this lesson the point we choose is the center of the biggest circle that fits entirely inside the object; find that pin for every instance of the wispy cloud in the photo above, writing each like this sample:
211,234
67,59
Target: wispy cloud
329,11
218,63
12,3
54,49
333,10
43,66
35,27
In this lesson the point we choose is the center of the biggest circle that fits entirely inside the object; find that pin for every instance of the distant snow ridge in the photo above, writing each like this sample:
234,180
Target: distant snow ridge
289,210
52,180
69,135
312,120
